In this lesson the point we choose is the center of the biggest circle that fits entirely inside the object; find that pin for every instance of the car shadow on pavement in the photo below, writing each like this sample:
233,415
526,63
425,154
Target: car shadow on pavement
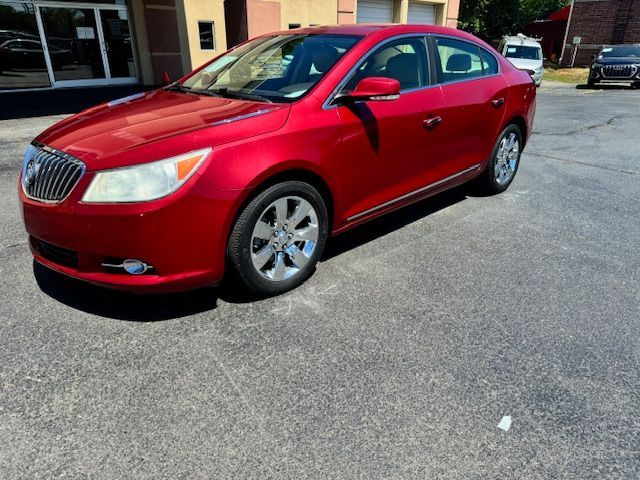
119,305
605,86
390,222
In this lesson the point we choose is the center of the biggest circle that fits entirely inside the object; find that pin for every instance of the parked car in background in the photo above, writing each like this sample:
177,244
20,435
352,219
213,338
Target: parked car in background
616,63
21,53
524,53
247,165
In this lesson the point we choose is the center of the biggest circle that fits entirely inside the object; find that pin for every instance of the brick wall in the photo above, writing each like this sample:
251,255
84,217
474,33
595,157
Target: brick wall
595,22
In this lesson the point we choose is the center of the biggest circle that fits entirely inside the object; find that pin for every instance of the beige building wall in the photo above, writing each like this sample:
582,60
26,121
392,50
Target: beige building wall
141,37
207,11
263,16
453,8
308,12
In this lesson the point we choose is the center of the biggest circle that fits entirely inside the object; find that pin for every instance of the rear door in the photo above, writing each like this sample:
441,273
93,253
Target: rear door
475,95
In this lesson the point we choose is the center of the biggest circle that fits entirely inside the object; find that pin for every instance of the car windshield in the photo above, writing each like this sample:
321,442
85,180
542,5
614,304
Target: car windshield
523,51
620,51
280,68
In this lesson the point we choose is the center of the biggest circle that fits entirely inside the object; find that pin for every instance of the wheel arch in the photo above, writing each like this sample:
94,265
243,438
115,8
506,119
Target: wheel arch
291,173
520,122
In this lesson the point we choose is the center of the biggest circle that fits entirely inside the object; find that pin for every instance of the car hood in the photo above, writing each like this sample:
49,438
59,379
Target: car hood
524,63
619,61
158,124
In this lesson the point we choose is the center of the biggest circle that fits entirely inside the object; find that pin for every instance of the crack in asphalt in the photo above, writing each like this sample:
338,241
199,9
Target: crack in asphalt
13,245
587,128
568,160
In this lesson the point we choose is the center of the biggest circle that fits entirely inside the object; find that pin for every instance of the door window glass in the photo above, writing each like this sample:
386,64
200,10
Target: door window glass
458,60
22,63
403,60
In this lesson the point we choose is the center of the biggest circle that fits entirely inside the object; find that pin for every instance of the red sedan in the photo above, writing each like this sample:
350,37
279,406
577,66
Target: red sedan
247,165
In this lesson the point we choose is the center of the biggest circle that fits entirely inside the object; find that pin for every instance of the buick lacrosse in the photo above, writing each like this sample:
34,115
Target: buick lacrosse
247,165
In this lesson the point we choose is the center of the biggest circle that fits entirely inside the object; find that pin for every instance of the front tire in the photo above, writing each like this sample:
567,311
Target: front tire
504,161
278,238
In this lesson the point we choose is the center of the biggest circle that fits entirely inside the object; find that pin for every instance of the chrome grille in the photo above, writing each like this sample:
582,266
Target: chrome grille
619,71
49,175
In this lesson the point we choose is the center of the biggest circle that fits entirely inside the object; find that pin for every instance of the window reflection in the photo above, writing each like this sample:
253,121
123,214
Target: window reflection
73,43
22,63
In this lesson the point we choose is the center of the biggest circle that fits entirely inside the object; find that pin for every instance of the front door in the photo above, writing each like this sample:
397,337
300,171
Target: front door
391,150
87,45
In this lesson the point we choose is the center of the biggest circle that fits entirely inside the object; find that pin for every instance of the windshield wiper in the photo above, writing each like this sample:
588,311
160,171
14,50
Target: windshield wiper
225,92
177,87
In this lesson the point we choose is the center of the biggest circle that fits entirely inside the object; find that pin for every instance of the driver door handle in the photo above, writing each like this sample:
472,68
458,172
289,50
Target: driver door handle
431,123
497,102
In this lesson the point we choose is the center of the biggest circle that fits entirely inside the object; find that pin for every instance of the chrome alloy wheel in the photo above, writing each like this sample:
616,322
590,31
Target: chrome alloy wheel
507,158
284,238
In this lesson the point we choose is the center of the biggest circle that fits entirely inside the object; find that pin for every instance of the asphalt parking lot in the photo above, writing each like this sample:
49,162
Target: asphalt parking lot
397,359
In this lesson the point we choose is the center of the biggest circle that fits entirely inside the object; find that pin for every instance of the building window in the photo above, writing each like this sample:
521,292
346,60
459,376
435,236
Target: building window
22,60
294,25
207,35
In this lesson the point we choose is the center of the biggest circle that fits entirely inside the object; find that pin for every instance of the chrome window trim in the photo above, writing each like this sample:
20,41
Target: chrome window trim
413,193
427,37
464,40
332,96
257,113
59,153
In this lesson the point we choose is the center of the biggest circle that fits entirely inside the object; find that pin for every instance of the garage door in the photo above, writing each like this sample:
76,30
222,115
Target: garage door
374,11
421,13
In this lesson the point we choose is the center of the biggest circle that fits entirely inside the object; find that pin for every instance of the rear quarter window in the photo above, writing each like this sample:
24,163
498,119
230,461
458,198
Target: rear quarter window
489,62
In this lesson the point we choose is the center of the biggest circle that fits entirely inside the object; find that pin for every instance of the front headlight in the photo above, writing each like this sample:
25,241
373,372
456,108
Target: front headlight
148,181
596,65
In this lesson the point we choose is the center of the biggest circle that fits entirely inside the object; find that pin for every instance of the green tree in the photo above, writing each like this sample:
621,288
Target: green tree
491,19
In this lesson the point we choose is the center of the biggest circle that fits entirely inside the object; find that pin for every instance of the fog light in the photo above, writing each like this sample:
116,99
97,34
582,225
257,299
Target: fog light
134,267
130,265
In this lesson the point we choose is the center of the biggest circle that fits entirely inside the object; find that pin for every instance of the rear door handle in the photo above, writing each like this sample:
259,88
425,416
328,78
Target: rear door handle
497,102
431,123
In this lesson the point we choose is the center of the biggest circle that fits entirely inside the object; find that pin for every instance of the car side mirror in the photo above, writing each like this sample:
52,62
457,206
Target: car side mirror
373,89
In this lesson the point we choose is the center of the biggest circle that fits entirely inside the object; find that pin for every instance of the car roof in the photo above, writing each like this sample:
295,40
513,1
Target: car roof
365,29
525,41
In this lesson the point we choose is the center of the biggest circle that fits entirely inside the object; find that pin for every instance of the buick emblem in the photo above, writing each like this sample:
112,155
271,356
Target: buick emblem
30,172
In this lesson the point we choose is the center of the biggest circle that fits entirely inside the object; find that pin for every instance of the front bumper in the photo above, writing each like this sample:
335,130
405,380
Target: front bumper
183,236
598,75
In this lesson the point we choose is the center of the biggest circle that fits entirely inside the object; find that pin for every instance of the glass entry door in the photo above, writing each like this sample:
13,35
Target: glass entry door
118,45
87,45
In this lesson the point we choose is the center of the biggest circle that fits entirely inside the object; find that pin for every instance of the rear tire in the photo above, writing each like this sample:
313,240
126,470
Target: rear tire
278,238
504,161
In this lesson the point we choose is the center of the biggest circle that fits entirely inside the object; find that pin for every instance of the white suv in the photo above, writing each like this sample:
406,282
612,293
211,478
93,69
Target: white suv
524,53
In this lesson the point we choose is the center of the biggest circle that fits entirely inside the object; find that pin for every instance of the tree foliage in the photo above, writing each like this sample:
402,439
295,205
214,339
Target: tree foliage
491,19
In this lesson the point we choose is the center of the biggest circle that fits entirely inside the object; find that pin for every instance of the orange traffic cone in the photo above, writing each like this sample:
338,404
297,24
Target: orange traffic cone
165,77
